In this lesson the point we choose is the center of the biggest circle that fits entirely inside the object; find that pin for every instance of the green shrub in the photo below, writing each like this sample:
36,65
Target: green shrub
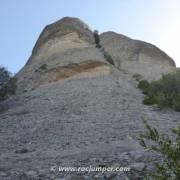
5,75
137,77
149,101
8,89
143,84
108,58
176,104
164,92
168,148
43,67
97,39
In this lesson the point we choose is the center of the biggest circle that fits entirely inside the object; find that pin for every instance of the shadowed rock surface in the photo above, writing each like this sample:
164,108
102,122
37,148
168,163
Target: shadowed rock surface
73,108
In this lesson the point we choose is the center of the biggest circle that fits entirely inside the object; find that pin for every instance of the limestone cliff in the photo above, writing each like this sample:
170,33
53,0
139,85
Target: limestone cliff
69,41
64,42
136,57
75,109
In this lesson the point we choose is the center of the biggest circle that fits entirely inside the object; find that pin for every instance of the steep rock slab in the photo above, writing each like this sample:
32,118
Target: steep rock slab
72,123
136,57
86,69
62,43
80,122
62,27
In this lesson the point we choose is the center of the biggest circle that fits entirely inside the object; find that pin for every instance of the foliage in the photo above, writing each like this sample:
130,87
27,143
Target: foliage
168,148
137,77
43,67
8,84
164,92
4,76
97,39
108,58
144,85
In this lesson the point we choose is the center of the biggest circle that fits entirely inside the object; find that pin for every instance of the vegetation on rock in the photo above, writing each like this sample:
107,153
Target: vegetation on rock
43,67
4,76
137,77
164,92
108,58
167,147
7,84
97,39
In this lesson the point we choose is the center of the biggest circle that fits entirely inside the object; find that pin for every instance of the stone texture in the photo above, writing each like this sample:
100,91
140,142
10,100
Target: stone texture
132,56
61,28
86,69
139,166
79,110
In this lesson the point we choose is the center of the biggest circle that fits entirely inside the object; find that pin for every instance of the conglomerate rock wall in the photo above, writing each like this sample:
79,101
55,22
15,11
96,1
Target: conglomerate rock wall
75,109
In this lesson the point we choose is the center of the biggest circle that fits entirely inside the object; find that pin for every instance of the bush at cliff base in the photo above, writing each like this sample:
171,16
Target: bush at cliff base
165,93
168,147
7,84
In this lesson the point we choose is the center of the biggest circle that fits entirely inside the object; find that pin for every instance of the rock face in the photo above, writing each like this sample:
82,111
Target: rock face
62,43
136,57
71,41
64,34
86,69
73,108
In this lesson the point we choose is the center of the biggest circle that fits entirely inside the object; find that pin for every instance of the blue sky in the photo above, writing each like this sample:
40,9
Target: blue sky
154,21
